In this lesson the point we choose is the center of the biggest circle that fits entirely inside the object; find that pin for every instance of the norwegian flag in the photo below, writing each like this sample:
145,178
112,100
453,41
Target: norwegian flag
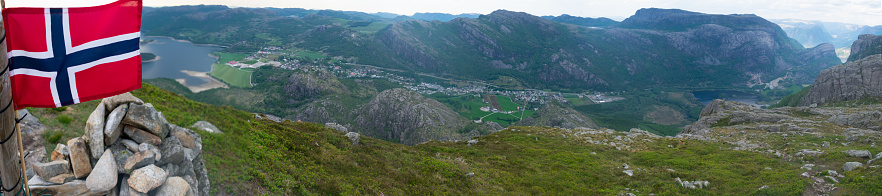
63,56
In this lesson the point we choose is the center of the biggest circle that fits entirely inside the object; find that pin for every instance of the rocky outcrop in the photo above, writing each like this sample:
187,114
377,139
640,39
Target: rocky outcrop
409,118
866,45
851,81
127,156
555,114
312,83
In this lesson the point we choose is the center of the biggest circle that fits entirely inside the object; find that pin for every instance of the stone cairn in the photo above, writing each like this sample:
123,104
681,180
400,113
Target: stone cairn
128,148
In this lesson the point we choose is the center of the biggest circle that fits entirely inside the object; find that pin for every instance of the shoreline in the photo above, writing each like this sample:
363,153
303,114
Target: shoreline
212,82
188,41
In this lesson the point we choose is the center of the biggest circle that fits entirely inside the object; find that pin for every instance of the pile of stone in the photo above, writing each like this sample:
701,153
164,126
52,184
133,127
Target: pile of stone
128,148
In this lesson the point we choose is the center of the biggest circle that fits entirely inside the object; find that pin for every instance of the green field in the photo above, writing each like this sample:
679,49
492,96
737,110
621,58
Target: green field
232,76
507,104
227,57
470,107
309,54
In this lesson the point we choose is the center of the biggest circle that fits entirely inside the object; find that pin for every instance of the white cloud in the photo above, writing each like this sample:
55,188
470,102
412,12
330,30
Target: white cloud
867,12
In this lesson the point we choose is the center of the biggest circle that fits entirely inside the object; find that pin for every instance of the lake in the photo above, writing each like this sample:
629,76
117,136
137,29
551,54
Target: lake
177,57
708,96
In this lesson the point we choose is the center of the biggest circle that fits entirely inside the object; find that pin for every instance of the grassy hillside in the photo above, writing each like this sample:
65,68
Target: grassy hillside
294,158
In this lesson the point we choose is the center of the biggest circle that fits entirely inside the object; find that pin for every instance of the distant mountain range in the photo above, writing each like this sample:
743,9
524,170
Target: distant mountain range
653,47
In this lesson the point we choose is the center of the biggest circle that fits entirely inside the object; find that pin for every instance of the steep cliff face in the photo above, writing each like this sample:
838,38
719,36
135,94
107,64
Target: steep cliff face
851,81
554,114
407,117
865,46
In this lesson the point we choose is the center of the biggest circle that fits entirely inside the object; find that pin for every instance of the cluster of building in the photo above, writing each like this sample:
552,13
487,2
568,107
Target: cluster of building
532,96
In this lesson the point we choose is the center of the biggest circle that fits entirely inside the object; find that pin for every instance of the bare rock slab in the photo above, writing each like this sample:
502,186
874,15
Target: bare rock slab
112,128
51,169
95,131
140,159
103,176
207,127
141,136
62,178
73,188
174,186
79,157
851,166
148,119
147,178
117,100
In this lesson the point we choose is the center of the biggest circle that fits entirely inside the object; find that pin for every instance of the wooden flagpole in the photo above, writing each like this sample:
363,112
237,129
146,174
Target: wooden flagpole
9,174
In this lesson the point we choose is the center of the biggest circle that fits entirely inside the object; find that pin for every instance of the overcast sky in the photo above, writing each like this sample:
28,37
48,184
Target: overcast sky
866,12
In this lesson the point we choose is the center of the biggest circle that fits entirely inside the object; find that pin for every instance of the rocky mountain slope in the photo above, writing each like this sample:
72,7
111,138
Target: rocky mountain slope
653,47
407,117
865,46
856,80
717,49
832,144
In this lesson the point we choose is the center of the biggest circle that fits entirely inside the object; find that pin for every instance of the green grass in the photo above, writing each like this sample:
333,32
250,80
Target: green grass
232,76
227,57
309,54
506,103
260,157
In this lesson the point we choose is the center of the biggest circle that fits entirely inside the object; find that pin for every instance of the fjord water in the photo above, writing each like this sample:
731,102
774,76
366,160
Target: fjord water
175,56
707,96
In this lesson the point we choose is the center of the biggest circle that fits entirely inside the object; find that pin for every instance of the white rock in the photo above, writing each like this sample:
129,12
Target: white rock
103,176
147,178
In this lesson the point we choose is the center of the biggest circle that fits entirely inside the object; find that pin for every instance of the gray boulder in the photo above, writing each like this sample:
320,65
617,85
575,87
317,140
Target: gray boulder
207,127
193,185
131,145
148,119
172,151
174,186
95,132
125,189
145,147
336,126
104,175
859,153
201,177
120,155
147,178
112,128
851,166
141,136
73,188
353,137
51,169
189,138
111,103
79,157
30,123
140,159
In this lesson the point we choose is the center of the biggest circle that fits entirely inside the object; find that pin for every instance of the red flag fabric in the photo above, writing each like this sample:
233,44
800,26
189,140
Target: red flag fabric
63,56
